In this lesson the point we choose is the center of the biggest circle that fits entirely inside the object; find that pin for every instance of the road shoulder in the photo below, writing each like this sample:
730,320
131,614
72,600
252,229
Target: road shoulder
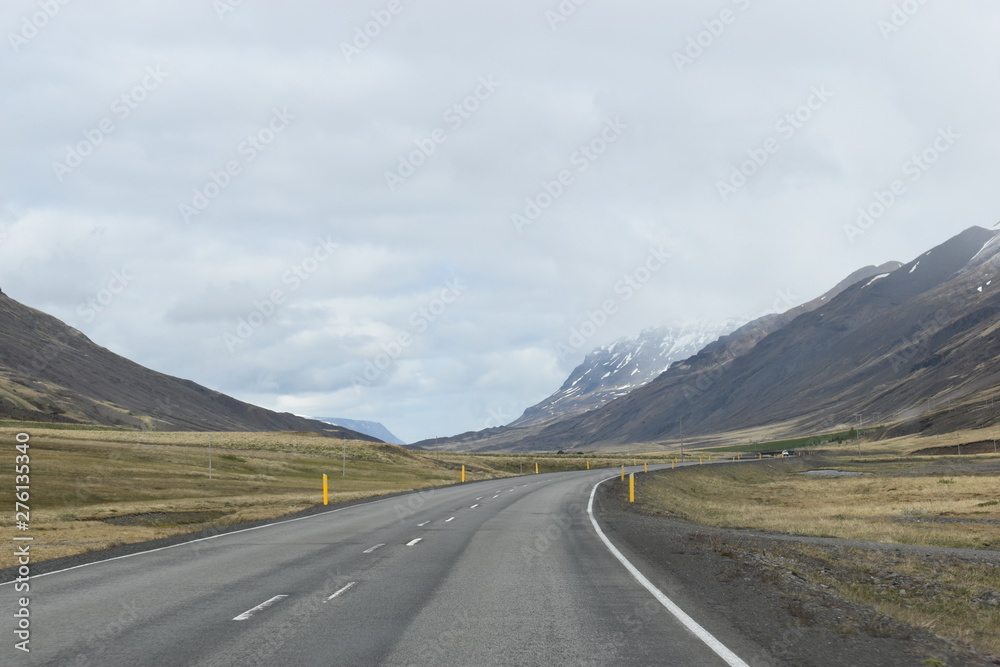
745,582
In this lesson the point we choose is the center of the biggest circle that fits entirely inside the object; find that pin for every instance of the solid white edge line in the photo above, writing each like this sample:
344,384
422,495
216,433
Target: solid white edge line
371,549
340,592
263,605
701,633
203,539
412,542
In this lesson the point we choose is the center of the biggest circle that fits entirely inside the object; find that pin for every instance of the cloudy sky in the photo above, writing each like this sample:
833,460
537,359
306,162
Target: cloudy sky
401,210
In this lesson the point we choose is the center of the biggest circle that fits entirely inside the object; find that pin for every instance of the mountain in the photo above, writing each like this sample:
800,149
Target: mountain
51,372
756,376
374,429
613,371
893,344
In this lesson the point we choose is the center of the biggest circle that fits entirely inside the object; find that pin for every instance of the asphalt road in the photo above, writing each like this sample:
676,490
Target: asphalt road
502,572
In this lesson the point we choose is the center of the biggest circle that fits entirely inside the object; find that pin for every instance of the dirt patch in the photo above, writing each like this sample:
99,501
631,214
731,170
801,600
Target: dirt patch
160,519
964,449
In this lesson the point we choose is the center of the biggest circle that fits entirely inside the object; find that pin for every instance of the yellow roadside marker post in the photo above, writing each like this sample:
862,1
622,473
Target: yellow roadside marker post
463,473
326,491
588,464
673,464
631,487
645,467
536,467
623,473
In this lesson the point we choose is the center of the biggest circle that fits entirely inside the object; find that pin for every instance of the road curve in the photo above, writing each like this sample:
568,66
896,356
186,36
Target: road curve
500,572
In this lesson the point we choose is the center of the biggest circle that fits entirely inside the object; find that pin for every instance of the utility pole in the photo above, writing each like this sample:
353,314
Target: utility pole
858,431
210,457
343,463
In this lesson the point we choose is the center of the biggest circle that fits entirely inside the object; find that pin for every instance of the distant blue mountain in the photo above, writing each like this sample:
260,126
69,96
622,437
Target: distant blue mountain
374,429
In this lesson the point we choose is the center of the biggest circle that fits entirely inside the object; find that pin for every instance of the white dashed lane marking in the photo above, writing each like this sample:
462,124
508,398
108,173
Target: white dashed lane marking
341,591
261,607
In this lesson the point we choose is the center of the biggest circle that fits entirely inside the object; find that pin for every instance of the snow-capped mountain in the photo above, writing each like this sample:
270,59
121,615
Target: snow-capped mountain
612,371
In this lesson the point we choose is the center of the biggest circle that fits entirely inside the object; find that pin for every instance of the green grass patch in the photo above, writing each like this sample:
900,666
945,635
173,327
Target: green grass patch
795,443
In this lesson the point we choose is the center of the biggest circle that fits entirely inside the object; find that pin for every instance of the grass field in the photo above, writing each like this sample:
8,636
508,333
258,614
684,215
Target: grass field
871,442
941,501
795,443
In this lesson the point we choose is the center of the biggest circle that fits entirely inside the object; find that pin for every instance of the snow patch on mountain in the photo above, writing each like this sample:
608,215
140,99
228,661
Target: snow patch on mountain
616,369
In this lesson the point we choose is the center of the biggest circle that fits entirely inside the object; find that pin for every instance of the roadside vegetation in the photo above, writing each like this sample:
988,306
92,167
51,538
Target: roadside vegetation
942,501
947,501
798,443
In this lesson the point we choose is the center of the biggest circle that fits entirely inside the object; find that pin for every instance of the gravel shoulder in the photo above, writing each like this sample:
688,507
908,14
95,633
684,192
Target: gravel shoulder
755,582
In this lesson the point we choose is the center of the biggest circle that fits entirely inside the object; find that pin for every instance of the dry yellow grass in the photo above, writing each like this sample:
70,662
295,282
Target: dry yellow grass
895,503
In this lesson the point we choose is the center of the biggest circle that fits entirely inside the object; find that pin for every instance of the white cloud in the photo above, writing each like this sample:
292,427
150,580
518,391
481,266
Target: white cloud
493,351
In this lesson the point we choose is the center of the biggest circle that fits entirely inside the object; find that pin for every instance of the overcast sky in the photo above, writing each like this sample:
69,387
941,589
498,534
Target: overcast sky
401,210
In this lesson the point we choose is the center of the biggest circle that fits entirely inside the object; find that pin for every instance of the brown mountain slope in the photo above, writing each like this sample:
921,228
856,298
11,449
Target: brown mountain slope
692,377
917,335
926,331
51,372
